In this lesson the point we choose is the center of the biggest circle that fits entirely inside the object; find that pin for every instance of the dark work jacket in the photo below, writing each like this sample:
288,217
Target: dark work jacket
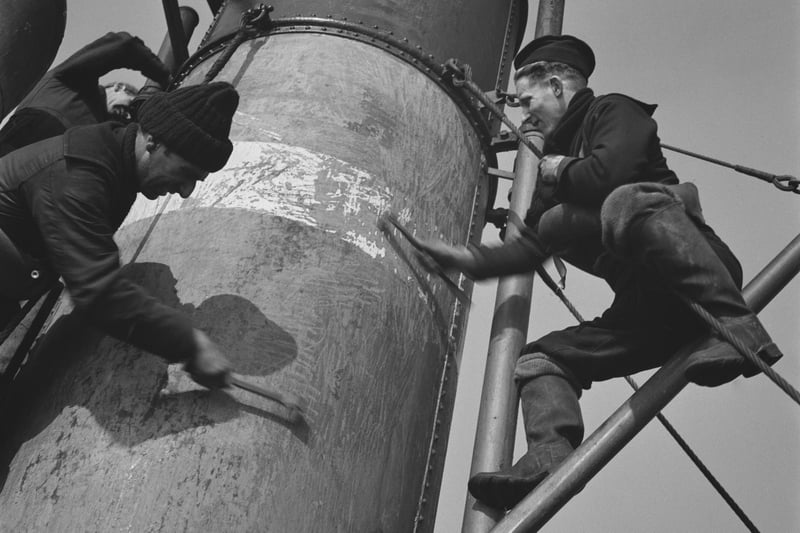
607,141
61,201
69,95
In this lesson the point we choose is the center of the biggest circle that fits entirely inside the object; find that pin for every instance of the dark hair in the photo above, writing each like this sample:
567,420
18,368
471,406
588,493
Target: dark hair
542,69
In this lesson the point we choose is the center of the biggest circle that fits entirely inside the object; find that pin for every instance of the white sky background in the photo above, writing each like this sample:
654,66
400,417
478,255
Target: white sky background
725,76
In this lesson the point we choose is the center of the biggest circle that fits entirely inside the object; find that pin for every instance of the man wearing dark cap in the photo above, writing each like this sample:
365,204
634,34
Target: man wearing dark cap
62,199
607,202
70,94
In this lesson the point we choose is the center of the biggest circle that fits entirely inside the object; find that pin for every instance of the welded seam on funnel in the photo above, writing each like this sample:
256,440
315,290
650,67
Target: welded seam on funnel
213,25
422,503
504,56
149,231
455,338
423,285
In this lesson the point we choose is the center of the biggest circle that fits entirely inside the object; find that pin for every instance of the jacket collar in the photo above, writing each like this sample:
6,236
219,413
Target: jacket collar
109,145
560,139
128,150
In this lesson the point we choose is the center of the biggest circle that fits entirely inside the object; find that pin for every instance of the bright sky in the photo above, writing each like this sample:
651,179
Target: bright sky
725,76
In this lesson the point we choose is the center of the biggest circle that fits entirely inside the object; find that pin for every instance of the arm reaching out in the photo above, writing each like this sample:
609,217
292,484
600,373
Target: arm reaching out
435,253
516,256
109,52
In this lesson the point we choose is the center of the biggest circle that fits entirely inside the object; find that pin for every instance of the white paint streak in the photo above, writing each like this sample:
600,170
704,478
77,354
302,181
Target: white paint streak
370,247
404,216
290,182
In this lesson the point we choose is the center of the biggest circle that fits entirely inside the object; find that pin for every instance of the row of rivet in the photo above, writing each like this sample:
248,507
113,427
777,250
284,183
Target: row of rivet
399,47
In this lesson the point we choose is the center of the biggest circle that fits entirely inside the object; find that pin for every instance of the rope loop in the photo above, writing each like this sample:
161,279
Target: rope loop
253,21
253,16
787,183
461,76
458,73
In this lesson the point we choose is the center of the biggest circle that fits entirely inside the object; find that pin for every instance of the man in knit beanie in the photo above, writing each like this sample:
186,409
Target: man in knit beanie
62,199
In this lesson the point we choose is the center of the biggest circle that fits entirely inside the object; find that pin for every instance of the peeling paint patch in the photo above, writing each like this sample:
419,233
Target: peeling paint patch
404,216
361,241
291,182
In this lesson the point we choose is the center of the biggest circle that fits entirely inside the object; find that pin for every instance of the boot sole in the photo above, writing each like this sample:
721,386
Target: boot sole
502,491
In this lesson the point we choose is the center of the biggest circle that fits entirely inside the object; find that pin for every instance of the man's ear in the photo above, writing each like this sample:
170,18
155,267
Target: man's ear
150,143
556,85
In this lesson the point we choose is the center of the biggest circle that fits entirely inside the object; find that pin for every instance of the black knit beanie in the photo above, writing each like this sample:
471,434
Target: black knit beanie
194,122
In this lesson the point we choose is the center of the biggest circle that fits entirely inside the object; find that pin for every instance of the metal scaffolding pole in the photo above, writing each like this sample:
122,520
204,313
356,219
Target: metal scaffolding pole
596,451
497,416
189,20
175,30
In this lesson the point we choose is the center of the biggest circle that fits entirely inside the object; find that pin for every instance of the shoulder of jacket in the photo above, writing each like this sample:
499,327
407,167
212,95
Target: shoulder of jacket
621,101
95,142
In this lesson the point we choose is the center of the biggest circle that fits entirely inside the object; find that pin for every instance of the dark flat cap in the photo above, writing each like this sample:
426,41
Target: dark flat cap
560,49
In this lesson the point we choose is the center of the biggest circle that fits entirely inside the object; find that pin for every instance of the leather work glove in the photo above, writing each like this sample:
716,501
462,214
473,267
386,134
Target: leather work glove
208,366
548,167
545,191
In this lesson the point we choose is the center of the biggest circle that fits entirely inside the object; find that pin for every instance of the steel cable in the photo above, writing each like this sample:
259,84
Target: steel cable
461,76
731,339
785,183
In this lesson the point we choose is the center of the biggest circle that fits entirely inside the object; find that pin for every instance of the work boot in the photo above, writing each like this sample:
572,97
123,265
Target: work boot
715,362
669,244
553,428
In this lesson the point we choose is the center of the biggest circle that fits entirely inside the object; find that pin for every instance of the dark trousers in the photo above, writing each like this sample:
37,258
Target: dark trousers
646,322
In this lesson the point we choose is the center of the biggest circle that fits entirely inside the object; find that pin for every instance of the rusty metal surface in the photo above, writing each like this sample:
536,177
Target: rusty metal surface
279,259
473,31
30,34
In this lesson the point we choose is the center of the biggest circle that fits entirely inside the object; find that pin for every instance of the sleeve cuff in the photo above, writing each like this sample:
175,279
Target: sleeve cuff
562,184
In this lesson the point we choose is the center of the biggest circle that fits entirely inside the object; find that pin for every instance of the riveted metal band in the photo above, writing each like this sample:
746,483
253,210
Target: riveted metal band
375,36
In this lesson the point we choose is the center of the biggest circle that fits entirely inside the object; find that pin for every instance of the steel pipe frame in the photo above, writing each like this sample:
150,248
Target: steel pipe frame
497,415
597,450
189,20
175,31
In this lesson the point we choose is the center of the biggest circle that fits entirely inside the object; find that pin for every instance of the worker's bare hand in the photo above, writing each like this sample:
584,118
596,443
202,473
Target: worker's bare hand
435,254
208,367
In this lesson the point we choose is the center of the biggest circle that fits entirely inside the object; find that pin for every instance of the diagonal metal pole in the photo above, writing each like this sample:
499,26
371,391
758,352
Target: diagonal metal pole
597,450
175,30
189,20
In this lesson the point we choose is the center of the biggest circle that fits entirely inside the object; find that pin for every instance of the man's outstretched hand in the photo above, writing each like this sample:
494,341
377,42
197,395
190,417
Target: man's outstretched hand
208,367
